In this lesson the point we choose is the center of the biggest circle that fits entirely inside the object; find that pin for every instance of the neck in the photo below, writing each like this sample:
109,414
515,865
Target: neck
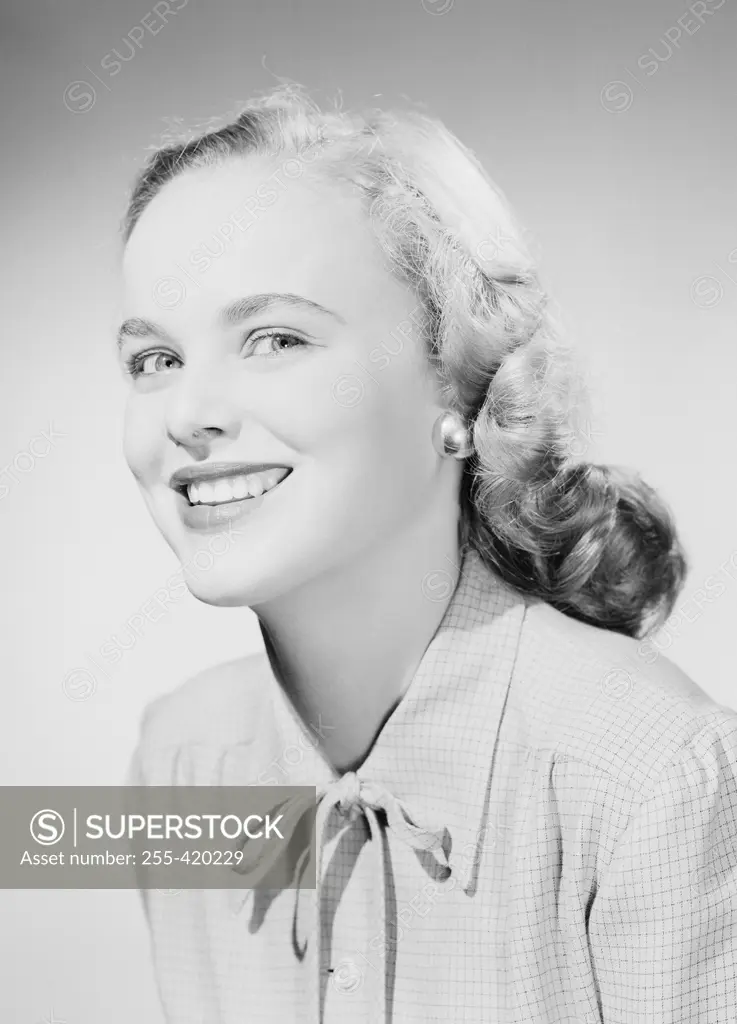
345,646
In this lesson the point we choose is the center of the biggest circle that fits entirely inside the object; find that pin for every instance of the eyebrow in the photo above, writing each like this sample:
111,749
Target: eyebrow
231,315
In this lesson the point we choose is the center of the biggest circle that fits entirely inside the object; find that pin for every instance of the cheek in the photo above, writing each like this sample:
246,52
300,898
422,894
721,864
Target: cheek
395,415
372,426
142,439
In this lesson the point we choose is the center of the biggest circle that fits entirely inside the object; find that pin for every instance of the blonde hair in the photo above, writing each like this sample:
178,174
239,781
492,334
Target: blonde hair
593,541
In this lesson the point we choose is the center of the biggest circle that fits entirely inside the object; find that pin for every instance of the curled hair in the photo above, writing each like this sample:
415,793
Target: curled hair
593,541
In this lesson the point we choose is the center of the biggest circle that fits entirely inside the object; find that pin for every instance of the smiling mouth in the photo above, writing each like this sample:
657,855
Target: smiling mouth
225,484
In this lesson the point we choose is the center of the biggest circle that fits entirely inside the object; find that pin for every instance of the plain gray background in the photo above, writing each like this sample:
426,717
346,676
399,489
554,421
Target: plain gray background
610,126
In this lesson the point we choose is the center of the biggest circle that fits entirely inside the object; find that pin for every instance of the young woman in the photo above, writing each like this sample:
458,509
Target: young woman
343,371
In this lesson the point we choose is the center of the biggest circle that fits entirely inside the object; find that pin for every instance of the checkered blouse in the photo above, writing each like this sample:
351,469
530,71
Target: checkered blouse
545,832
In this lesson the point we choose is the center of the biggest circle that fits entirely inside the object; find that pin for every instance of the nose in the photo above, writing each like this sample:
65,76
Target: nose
200,412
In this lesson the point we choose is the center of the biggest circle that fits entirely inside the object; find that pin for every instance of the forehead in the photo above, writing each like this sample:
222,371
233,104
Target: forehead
256,229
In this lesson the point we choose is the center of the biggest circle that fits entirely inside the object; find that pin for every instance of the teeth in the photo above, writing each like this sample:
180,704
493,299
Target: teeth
240,487
233,488
223,491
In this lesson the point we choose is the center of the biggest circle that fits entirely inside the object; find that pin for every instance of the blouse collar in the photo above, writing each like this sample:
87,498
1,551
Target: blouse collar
435,753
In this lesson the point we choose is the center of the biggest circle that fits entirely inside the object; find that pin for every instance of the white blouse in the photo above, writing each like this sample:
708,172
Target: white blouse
545,831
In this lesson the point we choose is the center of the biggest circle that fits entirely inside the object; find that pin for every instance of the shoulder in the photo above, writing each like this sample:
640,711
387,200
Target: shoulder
611,704
220,705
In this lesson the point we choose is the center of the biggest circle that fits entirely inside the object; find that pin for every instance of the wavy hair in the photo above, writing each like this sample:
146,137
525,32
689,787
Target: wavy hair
592,540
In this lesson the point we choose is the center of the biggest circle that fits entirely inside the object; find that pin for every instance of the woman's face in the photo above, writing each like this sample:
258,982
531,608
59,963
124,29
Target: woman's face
268,332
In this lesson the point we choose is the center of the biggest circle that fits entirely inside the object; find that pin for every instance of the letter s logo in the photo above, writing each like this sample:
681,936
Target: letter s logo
47,827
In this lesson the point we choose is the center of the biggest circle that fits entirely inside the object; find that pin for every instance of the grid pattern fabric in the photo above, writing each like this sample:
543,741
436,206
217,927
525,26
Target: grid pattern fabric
589,800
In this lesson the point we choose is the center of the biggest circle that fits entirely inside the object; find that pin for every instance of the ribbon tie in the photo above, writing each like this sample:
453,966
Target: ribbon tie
353,797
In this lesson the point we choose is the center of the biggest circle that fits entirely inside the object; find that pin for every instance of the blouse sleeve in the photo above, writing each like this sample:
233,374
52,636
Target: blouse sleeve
136,776
663,924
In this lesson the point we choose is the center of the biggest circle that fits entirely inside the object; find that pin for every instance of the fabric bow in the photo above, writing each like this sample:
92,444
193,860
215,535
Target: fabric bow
352,797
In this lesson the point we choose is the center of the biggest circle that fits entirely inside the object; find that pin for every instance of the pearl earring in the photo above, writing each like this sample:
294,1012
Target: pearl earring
451,437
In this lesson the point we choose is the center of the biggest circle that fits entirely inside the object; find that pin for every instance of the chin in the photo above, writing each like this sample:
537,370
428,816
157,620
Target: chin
224,582
223,591
225,598
255,562
239,582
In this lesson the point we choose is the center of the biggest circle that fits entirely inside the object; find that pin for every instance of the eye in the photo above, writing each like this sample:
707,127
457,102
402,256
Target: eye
149,364
274,342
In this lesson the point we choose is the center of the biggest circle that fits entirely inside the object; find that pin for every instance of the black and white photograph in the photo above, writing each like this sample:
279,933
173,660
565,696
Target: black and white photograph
370,526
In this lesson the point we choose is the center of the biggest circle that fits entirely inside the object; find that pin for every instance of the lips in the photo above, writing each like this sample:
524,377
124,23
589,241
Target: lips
215,494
